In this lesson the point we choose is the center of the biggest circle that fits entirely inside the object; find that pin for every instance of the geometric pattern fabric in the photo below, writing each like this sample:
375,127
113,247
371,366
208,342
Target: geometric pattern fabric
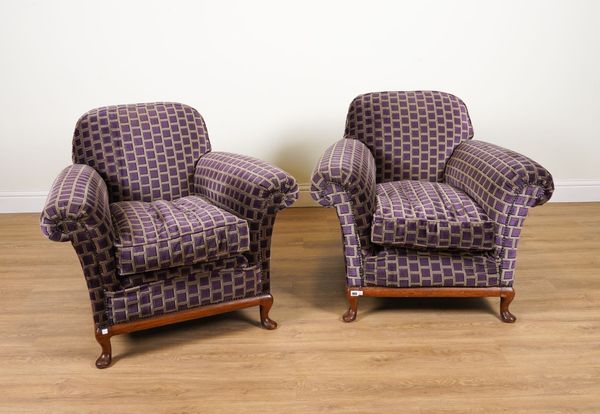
182,293
505,184
379,179
163,234
144,152
422,214
402,268
410,134
151,234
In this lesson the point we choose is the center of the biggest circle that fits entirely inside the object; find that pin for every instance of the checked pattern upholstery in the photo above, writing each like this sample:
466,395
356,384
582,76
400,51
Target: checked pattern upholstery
345,179
420,203
164,234
138,279
182,293
159,223
143,152
77,210
398,267
422,214
505,184
410,134
251,189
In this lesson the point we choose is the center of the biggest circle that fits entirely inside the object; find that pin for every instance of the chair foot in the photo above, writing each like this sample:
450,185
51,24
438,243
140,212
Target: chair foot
105,357
265,307
505,300
350,314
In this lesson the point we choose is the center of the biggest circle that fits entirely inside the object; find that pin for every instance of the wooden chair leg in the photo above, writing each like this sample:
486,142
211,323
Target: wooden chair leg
506,298
350,314
265,307
103,339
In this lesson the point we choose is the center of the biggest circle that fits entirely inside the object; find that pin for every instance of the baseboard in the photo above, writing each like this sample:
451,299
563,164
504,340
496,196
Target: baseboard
22,201
304,197
573,191
567,191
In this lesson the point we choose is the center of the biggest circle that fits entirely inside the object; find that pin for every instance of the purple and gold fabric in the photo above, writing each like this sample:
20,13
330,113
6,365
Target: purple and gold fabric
422,214
420,203
159,223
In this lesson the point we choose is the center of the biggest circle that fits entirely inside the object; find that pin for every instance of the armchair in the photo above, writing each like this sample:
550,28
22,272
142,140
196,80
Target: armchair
424,209
165,230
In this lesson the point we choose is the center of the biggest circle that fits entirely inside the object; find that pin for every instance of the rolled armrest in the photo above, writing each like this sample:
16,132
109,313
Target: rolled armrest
348,164
345,178
505,184
495,176
78,199
244,185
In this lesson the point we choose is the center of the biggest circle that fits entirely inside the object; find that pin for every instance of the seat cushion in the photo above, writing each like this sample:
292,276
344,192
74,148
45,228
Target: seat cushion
422,214
163,234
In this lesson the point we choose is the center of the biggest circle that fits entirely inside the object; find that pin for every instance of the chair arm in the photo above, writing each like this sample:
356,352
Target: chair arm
345,179
78,199
77,210
244,185
505,184
346,167
496,177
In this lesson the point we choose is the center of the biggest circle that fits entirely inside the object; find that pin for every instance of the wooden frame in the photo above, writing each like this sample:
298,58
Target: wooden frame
103,334
506,295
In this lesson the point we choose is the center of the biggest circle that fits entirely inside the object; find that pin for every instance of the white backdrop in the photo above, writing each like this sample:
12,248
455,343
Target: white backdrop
274,79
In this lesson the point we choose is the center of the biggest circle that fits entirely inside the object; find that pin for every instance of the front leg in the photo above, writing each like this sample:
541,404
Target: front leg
103,336
350,314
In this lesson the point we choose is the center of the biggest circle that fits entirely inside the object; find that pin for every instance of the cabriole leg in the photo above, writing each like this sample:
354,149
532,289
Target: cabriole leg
265,307
103,337
505,299
350,314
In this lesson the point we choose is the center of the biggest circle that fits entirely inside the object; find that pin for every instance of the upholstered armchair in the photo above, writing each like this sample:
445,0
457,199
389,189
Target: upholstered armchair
424,209
165,230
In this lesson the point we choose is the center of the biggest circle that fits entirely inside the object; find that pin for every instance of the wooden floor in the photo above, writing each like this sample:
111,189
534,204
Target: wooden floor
400,356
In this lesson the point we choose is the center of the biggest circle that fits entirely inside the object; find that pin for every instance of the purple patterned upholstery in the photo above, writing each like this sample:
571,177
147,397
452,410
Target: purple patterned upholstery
418,166
77,210
345,179
251,189
398,267
422,214
505,184
164,234
410,134
144,152
159,223
184,292
78,199
138,279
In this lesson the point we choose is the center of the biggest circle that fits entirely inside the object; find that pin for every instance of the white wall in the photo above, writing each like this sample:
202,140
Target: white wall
274,79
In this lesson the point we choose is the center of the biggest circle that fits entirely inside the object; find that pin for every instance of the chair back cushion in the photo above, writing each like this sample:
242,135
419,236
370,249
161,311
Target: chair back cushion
144,152
411,134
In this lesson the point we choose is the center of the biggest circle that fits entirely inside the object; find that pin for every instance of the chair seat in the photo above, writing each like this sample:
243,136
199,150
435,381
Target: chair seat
163,234
422,214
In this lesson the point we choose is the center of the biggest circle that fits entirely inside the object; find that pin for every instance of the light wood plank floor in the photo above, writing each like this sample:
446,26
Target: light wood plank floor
401,355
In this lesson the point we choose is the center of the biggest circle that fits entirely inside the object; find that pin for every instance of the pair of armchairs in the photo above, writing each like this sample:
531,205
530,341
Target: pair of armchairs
167,230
